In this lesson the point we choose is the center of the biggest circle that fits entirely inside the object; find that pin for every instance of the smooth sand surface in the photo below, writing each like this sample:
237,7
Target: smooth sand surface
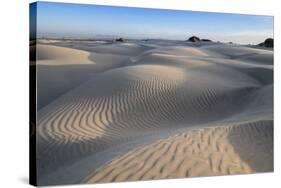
143,110
61,69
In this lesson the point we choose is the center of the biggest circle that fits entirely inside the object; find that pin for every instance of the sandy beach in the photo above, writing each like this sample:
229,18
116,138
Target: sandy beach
152,109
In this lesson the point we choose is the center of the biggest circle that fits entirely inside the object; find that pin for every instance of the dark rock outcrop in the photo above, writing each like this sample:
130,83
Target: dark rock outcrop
119,40
197,39
194,39
206,40
268,43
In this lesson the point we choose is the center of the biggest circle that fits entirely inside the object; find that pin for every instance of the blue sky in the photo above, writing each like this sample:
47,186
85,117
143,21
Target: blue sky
89,21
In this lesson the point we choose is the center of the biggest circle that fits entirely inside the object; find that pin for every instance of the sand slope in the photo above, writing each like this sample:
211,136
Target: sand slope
60,69
143,111
203,152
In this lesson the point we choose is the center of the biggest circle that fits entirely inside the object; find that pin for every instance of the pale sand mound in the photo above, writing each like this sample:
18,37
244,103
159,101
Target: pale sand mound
143,89
54,55
180,50
60,69
127,101
233,51
129,49
202,152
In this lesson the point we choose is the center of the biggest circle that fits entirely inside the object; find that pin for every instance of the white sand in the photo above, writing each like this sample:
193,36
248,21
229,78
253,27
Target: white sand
137,111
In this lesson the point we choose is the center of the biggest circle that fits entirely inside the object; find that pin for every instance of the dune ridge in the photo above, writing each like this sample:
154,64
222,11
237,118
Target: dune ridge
202,152
181,111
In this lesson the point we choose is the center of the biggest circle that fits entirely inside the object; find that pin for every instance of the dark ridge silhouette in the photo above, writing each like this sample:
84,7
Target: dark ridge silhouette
206,40
119,40
194,39
268,43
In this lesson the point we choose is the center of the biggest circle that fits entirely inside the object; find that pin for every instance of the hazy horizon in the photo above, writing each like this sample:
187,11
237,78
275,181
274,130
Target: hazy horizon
88,21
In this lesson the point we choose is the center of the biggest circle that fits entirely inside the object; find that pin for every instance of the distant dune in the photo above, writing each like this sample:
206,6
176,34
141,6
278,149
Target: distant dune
138,110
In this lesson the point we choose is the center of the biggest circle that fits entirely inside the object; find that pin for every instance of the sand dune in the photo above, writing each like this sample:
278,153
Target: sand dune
61,69
234,51
53,55
136,111
202,152
129,49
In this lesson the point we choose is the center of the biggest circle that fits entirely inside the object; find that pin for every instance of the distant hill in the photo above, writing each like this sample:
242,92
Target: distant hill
193,39
269,43
197,39
119,40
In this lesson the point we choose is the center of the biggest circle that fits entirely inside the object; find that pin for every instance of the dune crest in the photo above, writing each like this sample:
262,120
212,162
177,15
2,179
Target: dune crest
54,55
203,152
156,109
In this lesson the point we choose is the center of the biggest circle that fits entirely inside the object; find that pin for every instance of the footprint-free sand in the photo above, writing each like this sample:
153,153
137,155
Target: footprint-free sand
142,110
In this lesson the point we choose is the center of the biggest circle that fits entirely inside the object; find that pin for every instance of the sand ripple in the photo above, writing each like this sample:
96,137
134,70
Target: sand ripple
178,112
203,152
